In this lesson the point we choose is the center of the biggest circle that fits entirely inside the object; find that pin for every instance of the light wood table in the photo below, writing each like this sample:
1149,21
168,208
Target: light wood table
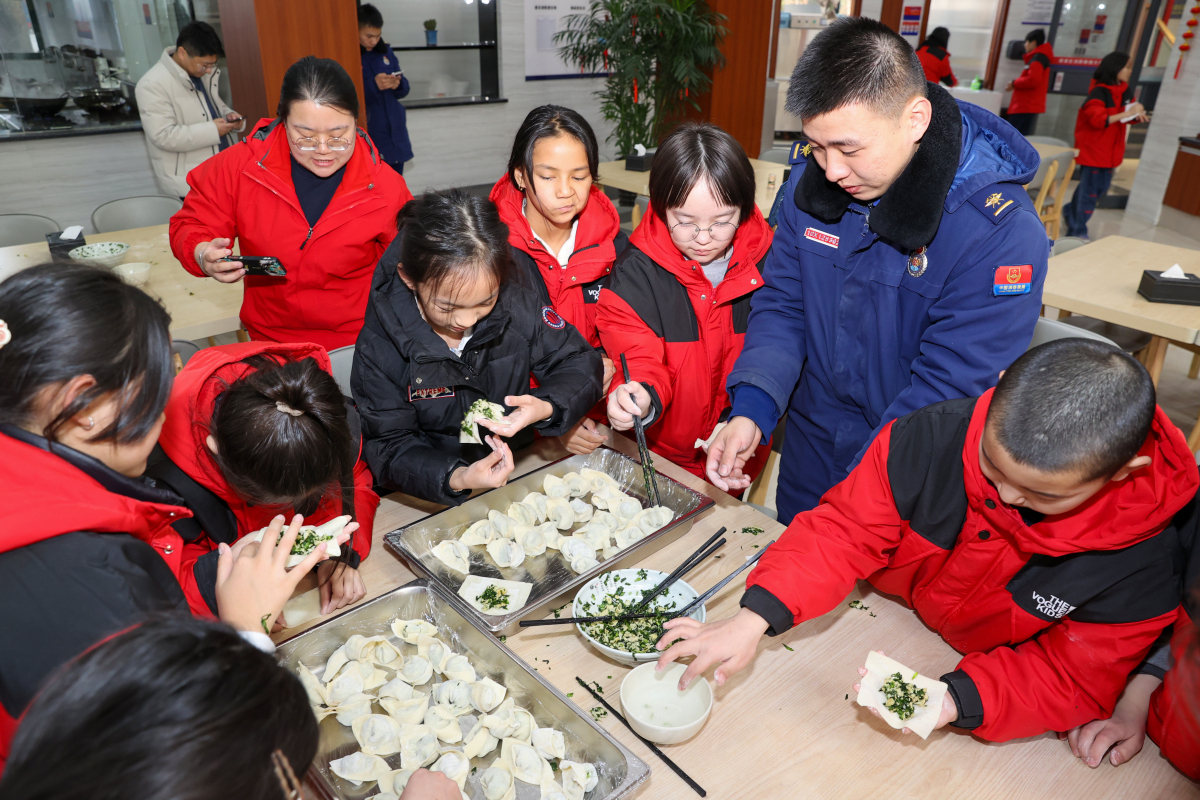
199,307
1100,280
614,175
778,729
1049,151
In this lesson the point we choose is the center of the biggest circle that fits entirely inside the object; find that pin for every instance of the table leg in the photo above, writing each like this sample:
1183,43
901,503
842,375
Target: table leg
1156,353
636,214
242,335
1194,437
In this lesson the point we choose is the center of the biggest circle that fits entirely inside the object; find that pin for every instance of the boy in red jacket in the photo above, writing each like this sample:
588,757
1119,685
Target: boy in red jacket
1100,128
1030,87
1025,526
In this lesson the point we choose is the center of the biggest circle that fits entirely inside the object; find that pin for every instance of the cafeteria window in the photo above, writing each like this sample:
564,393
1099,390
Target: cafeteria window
69,67
458,64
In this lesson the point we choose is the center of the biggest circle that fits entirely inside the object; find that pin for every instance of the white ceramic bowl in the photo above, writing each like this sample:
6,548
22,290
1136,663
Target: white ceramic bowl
636,581
100,254
135,272
656,708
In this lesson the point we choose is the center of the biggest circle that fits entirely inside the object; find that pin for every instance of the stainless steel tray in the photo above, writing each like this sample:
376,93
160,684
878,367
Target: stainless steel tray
553,581
619,770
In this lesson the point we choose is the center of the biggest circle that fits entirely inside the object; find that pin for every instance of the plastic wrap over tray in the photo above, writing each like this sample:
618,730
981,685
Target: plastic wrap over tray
553,581
618,769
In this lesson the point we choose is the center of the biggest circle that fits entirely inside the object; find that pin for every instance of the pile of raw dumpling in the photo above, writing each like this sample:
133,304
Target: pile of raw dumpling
608,524
424,727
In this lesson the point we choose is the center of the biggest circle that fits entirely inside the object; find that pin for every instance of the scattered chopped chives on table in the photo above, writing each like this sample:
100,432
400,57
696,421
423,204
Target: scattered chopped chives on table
790,650
752,530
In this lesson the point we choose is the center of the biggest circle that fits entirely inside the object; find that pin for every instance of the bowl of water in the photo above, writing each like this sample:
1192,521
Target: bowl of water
656,708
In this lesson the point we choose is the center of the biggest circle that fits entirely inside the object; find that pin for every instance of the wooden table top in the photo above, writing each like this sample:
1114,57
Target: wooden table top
1101,278
777,728
614,175
199,307
1048,151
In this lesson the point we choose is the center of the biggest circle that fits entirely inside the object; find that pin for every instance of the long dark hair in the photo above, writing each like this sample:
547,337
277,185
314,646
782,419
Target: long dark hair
446,235
322,81
546,122
700,151
69,320
174,708
1109,67
275,458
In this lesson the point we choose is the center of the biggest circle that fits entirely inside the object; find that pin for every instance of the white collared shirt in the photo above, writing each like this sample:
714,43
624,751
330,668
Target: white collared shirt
564,255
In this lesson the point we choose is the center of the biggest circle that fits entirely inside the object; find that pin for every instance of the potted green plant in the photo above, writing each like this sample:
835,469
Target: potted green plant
431,33
657,53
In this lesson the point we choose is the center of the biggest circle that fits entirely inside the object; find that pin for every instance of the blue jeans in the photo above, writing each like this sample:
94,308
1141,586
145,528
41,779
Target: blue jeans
1093,184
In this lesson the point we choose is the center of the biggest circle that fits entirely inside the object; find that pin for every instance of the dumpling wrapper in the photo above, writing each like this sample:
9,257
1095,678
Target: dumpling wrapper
326,532
577,778
578,484
377,734
409,629
337,660
583,509
469,430
506,553
312,685
479,533
418,746
454,554
550,743
301,608
458,668
486,695
554,486
350,709
444,723
321,712
497,781
653,518
503,523
526,765
435,651
538,501
870,694
360,768
455,766
406,712
474,585
479,741
416,670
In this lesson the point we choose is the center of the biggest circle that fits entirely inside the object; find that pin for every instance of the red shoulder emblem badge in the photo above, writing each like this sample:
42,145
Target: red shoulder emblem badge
551,318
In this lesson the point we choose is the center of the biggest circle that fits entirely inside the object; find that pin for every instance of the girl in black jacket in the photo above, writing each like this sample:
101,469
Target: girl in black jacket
446,327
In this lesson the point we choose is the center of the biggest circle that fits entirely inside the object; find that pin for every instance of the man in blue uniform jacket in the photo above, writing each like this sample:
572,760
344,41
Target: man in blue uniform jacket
384,85
907,267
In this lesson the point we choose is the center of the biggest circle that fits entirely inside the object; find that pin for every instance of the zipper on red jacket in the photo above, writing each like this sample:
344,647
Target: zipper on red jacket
306,238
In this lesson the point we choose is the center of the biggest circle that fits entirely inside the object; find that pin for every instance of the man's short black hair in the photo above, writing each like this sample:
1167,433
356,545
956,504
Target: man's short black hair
369,17
200,40
1073,406
1037,36
855,60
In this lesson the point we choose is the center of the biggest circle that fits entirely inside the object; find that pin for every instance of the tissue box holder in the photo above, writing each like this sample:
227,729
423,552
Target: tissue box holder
636,163
61,250
1181,291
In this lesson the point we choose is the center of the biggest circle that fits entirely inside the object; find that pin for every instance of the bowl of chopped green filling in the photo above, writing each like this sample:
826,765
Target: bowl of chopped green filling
615,593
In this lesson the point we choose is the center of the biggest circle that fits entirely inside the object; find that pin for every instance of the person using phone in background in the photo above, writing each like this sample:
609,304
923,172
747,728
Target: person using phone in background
384,85
309,189
183,116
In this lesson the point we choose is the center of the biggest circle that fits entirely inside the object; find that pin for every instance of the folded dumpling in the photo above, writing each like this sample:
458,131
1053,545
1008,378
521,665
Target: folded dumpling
377,734
503,523
628,535
595,534
479,741
353,707
455,766
575,547
578,484
560,513
479,533
497,781
653,518
577,778
506,552
525,725
532,541
347,683
538,501
444,723
410,629
454,695
360,768
600,481
486,695
622,506
376,650
454,554
607,519
396,688
418,746
527,766
554,486
407,712
435,651
312,686
550,743
395,782
582,564
458,668
337,660
583,509
502,723
523,514
416,670
372,676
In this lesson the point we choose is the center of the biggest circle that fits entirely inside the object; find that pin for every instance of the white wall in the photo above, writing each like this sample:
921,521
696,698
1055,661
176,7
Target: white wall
465,145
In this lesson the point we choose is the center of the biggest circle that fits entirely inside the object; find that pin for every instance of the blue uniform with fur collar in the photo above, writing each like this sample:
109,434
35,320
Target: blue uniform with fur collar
848,333
387,119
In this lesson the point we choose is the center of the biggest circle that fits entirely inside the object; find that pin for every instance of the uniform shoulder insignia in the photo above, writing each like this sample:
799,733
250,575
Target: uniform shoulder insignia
800,153
998,200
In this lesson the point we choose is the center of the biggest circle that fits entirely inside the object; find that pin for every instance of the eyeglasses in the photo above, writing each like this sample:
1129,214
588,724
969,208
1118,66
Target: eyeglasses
308,144
719,231
207,67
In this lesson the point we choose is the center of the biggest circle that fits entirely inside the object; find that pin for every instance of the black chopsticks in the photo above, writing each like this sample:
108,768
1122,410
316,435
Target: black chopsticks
704,598
648,474
537,623
689,563
653,747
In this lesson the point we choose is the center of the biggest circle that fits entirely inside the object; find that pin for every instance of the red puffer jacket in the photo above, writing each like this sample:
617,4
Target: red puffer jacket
1030,87
84,552
1174,721
1053,614
1101,143
936,63
573,290
190,411
680,335
246,193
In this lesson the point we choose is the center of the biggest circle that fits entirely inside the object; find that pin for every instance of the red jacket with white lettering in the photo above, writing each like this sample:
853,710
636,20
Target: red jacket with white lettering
1174,721
680,335
1052,613
1101,143
1030,87
246,193
189,413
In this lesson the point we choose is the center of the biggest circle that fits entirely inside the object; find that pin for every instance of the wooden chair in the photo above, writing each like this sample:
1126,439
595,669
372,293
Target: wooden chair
1047,181
1051,215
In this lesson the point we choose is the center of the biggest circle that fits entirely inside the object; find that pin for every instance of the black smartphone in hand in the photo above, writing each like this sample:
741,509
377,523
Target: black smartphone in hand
268,266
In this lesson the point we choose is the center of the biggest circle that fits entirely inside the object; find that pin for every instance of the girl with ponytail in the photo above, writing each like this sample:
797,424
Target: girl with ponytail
257,429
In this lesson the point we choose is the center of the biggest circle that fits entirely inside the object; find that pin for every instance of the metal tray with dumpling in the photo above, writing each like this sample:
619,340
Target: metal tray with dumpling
552,580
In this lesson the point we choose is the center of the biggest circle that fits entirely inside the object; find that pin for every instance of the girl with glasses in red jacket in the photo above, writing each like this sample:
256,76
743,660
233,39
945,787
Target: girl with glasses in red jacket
679,299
